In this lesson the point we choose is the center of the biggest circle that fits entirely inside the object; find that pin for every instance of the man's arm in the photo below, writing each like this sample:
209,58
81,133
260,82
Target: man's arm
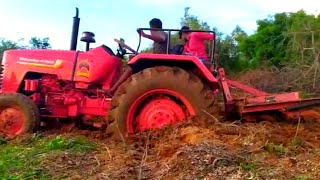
157,37
204,35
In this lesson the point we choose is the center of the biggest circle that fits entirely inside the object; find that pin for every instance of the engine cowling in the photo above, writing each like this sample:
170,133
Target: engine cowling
97,66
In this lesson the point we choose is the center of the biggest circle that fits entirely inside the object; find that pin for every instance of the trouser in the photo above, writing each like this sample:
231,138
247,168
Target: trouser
200,58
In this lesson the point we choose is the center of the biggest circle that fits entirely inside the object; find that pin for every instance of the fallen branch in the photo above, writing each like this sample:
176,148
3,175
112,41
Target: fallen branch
214,163
144,157
98,162
298,125
108,151
316,69
214,118
259,148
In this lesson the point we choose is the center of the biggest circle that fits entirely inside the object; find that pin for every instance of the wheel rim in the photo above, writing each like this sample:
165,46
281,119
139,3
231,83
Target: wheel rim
11,120
158,113
155,109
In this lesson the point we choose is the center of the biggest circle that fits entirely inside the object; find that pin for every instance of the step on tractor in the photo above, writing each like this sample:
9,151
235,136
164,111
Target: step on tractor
152,91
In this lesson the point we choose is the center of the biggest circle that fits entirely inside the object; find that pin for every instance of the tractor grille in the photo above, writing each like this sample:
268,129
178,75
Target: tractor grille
1,75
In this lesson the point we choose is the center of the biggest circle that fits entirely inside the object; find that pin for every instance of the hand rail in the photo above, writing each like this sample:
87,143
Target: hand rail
213,48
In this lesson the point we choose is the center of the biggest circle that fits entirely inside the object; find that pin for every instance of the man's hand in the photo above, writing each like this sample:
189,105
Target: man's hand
142,33
215,56
157,37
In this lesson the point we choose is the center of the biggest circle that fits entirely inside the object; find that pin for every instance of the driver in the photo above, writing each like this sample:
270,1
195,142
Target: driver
195,43
159,37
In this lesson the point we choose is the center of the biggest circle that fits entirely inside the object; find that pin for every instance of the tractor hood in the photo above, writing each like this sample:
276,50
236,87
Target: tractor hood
38,57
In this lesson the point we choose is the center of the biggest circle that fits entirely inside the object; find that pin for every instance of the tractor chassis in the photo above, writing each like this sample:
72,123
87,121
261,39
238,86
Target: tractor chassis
260,102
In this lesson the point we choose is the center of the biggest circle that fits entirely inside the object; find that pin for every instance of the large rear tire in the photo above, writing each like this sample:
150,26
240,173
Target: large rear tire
18,115
177,85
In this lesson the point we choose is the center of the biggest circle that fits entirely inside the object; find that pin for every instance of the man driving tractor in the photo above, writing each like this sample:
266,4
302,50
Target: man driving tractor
159,37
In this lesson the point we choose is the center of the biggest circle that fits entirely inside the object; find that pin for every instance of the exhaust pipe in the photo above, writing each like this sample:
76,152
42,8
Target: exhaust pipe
75,31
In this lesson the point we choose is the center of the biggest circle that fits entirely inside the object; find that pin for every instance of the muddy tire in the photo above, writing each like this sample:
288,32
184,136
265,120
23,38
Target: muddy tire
18,115
171,78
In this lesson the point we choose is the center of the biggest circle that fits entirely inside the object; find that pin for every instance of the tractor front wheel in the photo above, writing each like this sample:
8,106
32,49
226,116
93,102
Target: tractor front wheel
157,97
18,115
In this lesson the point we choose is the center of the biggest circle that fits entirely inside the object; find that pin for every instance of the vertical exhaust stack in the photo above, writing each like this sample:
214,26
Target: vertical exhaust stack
75,31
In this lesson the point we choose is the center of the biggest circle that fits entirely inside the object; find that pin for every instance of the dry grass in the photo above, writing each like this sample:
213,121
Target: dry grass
285,80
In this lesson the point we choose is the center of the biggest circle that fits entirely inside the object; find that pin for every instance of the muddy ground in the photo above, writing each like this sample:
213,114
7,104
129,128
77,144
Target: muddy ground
230,150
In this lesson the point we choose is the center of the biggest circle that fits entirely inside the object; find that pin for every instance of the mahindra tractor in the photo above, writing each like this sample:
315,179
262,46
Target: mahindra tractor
152,91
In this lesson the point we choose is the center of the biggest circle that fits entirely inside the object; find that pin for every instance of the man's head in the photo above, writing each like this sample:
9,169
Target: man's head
155,23
184,33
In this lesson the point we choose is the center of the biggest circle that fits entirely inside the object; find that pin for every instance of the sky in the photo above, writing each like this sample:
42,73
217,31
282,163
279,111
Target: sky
109,19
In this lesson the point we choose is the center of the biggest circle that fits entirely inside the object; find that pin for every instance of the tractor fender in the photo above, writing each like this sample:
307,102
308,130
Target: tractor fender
146,60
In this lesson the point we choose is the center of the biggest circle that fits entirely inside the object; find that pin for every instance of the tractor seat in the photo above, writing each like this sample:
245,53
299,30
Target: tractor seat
108,50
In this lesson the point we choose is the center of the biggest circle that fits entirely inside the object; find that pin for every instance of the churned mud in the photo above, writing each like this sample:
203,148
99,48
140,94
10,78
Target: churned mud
230,150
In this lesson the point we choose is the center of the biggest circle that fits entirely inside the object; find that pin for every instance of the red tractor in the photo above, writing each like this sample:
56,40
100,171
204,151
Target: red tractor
156,90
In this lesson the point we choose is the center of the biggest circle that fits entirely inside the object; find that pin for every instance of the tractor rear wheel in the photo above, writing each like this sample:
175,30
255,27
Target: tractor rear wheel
18,115
156,97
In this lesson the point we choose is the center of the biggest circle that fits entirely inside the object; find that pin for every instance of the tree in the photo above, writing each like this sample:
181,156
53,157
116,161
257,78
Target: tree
268,44
34,43
229,54
304,37
193,22
282,39
6,45
37,43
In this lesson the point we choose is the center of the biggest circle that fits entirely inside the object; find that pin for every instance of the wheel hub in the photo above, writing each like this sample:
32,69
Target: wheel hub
11,121
159,112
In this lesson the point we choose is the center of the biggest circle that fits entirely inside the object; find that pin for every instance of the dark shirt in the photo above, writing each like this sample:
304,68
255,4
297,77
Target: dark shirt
160,47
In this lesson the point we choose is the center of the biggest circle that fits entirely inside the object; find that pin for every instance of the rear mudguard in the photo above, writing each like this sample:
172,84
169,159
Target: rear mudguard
146,60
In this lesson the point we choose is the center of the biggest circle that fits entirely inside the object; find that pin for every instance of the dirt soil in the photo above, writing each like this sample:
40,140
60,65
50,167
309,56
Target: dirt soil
230,150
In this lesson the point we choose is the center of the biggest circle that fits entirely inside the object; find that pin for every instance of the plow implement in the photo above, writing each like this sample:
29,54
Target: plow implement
261,104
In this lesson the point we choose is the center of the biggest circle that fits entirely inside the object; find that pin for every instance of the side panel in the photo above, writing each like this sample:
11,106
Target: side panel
17,63
95,66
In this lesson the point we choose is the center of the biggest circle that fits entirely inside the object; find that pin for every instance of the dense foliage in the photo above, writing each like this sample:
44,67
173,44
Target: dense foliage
281,40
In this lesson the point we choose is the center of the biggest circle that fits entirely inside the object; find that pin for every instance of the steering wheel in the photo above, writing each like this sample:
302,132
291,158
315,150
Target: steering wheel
123,46
120,48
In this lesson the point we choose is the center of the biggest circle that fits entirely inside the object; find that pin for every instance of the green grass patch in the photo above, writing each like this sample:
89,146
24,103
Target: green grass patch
248,166
279,150
25,160
302,178
78,144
